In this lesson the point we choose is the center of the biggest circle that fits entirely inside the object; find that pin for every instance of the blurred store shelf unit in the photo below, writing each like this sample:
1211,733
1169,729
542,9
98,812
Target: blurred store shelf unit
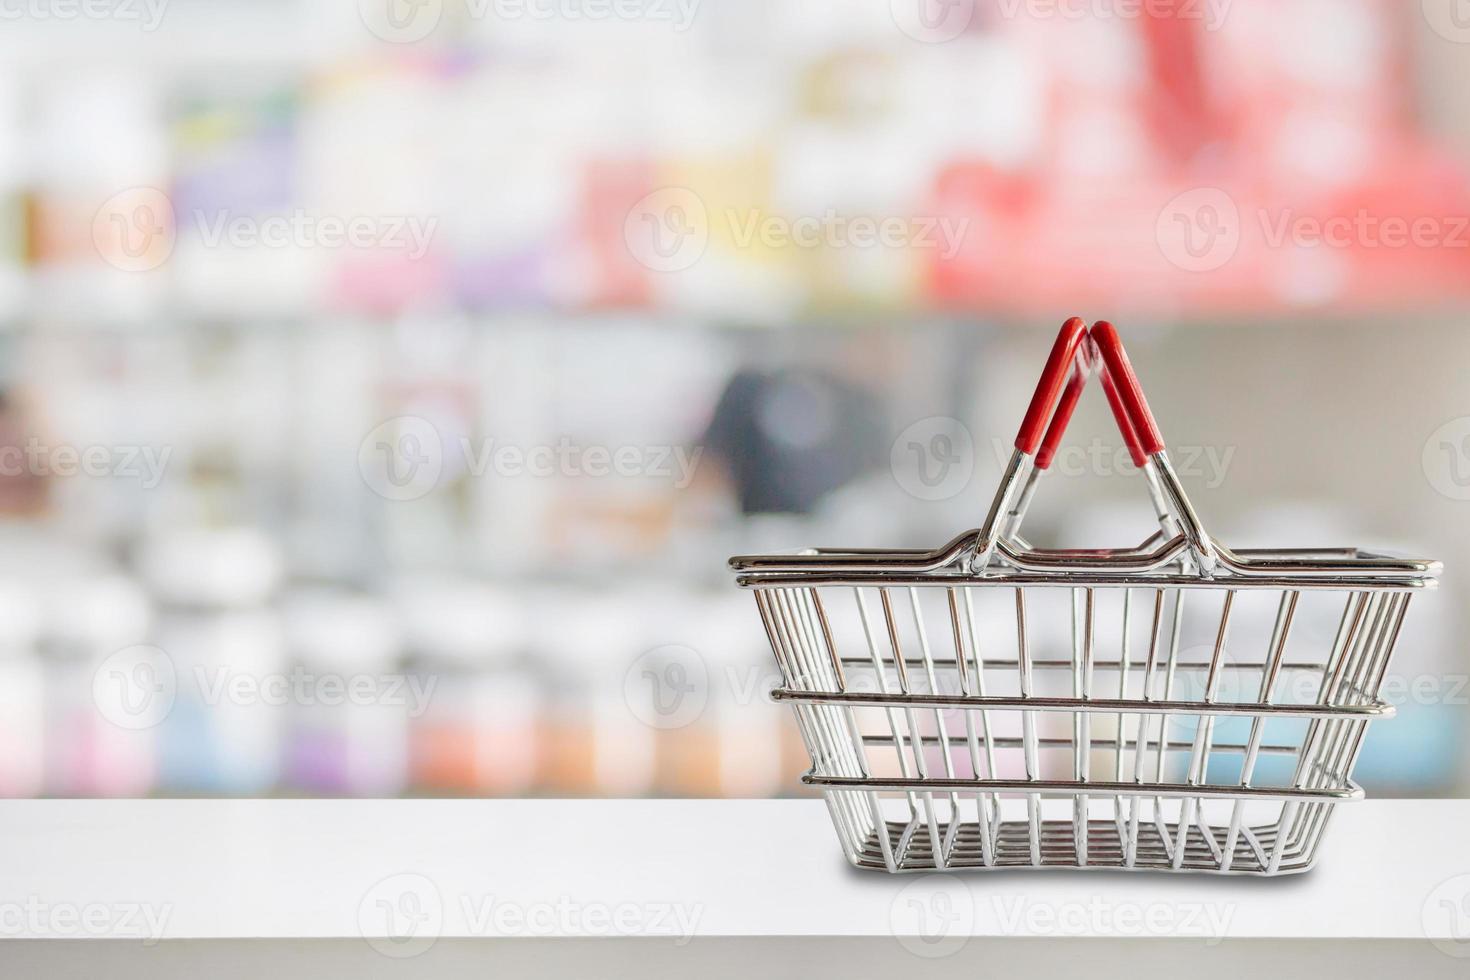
1164,165
375,417
253,592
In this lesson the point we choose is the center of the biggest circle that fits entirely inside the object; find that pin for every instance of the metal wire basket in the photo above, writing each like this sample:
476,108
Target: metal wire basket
990,704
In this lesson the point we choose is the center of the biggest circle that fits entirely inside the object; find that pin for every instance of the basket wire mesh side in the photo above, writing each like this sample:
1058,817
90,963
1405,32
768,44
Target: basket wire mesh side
1177,706
911,747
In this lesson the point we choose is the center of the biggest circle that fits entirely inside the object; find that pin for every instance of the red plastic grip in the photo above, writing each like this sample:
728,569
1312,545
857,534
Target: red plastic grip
1127,390
1049,388
1120,414
1061,417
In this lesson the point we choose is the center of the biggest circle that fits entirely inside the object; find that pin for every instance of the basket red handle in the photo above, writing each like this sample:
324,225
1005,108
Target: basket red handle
1063,414
1052,404
1049,389
1120,415
1125,395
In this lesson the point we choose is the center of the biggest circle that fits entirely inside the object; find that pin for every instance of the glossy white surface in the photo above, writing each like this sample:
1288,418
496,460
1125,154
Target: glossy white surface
422,870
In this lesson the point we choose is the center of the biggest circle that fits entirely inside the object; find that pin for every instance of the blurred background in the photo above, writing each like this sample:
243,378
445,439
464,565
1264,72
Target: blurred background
383,385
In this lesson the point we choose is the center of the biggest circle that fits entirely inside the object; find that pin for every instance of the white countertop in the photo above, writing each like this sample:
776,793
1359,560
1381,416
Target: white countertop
399,876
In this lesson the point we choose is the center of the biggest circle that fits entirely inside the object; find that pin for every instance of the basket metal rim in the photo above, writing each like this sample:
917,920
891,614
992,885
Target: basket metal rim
994,579
1246,568
1349,792
1377,708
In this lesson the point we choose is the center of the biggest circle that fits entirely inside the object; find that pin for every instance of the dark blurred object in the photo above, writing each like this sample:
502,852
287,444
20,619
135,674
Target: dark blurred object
789,438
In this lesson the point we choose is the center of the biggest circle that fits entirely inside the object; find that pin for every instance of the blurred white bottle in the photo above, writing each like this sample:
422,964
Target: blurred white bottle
223,642
597,745
351,703
749,726
22,693
479,730
107,690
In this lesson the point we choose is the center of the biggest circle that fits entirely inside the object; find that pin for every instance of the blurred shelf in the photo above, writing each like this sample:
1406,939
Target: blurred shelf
703,888
271,34
587,118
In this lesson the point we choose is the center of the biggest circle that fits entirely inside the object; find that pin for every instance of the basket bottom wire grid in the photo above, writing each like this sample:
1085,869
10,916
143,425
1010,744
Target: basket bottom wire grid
1151,844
